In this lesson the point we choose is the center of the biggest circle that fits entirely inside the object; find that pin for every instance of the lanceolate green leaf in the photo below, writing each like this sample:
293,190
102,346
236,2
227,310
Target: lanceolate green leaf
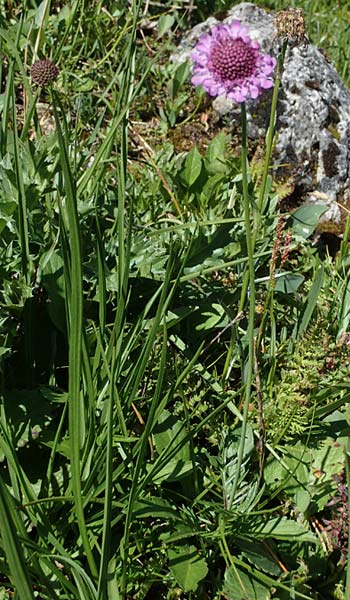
192,168
311,302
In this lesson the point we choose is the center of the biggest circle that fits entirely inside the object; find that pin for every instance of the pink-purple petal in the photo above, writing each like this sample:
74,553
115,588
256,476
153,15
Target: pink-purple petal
254,91
199,59
266,84
234,28
240,72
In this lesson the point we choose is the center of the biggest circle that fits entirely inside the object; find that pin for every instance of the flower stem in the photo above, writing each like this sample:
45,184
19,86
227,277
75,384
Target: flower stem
248,369
270,136
269,144
70,234
347,475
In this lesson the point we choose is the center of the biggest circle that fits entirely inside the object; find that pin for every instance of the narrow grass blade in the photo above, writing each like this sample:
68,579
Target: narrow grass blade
22,205
311,302
101,279
106,533
14,554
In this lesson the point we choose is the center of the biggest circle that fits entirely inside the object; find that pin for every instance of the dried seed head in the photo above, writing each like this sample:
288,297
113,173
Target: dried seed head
44,72
290,25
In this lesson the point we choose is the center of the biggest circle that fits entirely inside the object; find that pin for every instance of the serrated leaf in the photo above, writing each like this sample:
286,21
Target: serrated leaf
187,566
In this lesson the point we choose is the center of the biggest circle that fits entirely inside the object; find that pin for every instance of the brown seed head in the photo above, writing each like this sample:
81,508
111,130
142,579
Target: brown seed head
44,72
290,25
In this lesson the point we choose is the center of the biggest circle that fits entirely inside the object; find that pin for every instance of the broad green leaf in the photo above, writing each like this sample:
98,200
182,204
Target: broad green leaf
180,76
215,155
211,189
28,415
328,459
165,22
306,475
241,586
211,316
258,555
85,85
302,499
174,470
187,566
288,283
305,219
156,508
293,473
284,529
169,432
192,167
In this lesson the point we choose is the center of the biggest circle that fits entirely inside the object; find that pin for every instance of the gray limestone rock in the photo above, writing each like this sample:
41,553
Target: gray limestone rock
313,121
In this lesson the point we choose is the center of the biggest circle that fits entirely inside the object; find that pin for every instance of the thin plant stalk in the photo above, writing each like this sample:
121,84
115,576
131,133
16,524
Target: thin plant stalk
22,204
269,138
268,152
347,475
75,316
248,369
106,533
262,192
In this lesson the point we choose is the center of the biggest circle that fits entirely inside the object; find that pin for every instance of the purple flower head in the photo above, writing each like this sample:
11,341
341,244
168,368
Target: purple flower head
227,61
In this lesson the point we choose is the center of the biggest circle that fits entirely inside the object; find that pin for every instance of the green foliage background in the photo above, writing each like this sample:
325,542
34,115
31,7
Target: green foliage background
123,344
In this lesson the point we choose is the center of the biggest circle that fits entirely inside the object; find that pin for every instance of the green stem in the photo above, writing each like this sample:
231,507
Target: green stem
249,367
73,271
22,201
269,145
270,137
347,475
